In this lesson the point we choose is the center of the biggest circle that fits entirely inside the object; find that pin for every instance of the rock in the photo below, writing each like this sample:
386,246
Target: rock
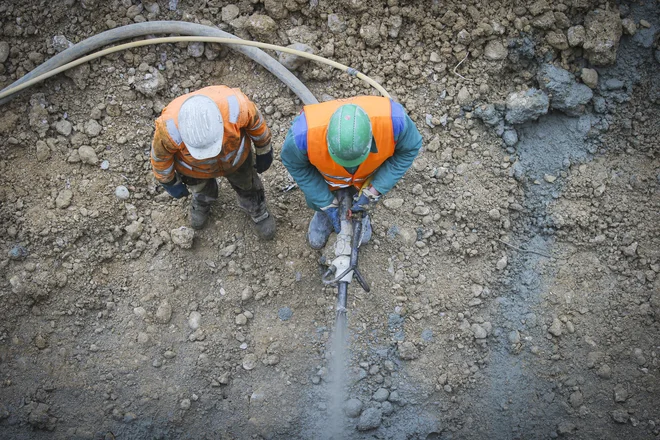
241,319
479,332
408,351
60,43
63,199
122,192
246,294
250,361
87,155
514,337
40,342
8,122
566,428
589,77
276,9
393,204
381,395
38,116
285,313
39,417
538,7
526,106
631,250
230,12
353,408
576,36
151,83
422,210
185,404
488,114
576,399
565,93
387,408
495,51
182,237
79,75
228,250
336,24
557,40
510,137
4,51
63,127
134,230
261,27
370,419
619,416
164,312
502,263
628,26
371,35
408,236
620,393
545,21
195,49
17,253
194,320
463,97
555,327
603,32
295,62
43,152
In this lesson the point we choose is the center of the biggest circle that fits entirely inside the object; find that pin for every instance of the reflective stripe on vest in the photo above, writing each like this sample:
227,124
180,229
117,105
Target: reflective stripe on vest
378,109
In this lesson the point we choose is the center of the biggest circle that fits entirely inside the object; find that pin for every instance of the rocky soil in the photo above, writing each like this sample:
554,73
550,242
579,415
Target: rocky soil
514,270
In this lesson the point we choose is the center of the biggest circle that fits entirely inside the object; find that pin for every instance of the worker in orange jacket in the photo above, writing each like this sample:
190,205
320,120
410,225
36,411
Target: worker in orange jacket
364,144
207,134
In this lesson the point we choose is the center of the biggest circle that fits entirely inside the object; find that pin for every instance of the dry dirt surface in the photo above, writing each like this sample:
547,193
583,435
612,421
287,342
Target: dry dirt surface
514,270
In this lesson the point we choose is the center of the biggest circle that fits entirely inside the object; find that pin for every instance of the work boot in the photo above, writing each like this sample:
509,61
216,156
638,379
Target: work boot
254,204
265,226
203,195
320,228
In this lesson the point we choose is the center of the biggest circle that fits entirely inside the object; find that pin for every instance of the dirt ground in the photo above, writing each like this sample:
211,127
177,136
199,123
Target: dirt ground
514,270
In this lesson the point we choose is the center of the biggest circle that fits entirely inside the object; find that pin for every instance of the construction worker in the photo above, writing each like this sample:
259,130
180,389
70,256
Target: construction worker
364,143
208,134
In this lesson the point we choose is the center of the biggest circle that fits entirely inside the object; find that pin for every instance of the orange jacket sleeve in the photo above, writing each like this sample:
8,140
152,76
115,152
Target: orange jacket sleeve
162,155
257,129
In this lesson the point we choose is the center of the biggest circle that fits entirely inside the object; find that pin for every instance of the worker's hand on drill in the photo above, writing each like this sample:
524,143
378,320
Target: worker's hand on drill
264,160
332,211
367,199
176,188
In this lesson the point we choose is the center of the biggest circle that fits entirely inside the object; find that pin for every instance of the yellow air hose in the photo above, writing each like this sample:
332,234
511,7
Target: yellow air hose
230,41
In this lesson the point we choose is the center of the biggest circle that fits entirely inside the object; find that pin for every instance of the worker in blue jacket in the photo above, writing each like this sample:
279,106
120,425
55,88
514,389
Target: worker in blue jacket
366,144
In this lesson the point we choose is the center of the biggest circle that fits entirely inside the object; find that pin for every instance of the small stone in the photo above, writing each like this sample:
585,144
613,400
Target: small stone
150,83
353,408
164,313
514,337
370,419
93,128
194,320
381,395
479,332
494,214
549,178
246,294
387,408
589,77
336,24
292,61
262,27
285,313
371,35
408,351
619,416
17,253
502,263
629,26
227,251
555,328
644,23
250,361
526,106
43,152
604,371
230,12
195,49
495,51
576,399
272,360
183,237
241,319
105,165
63,127
87,155
122,192
463,97
63,199
620,393
4,51
576,36
393,204
40,342
142,338
557,40
510,137
185,404
421,210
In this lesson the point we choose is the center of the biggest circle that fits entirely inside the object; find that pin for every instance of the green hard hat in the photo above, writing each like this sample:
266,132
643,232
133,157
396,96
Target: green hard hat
349,135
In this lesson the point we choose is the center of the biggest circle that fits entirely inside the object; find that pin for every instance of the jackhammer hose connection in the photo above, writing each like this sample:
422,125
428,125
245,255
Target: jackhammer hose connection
70,57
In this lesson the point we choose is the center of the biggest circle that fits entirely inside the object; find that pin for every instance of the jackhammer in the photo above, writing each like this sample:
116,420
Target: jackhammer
342,269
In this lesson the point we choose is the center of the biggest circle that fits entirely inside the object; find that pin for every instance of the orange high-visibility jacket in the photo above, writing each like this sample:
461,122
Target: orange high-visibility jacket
318,116
242,122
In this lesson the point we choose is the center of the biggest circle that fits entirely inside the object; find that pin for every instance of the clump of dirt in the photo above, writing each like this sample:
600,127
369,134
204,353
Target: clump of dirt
514,269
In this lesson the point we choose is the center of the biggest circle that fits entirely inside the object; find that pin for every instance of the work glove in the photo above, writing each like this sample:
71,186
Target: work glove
176,188
332,211
264,161
367,199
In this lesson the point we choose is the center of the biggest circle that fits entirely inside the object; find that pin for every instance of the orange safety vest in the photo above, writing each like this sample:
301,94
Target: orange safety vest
379,110
235,145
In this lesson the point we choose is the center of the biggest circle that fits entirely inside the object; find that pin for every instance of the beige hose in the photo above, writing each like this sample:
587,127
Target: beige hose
229,41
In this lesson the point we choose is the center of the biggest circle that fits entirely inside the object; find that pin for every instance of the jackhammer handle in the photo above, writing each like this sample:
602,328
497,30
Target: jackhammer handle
361,280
